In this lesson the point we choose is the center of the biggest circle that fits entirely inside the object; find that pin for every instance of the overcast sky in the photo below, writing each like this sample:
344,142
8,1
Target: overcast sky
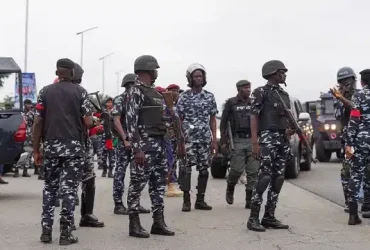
232,39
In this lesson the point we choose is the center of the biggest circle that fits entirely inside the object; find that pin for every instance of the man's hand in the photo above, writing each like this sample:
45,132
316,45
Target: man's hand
37,158
349,151
256,151
140,158
336,93
214,147
127,145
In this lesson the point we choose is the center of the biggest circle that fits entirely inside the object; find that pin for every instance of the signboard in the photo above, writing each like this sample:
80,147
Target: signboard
29,88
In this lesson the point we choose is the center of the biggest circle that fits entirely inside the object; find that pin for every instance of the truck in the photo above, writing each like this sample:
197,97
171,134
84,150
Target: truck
301,159
12,122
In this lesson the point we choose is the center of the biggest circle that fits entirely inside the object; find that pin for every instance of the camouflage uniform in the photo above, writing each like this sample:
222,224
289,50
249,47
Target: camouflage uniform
107,155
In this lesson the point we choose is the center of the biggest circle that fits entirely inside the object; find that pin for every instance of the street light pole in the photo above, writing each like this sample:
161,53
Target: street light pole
82,42
103,68
118,80
26,39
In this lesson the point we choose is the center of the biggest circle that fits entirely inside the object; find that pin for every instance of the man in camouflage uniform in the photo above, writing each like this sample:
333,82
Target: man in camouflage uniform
26,158
62,112
124,154
236,114
197,109
357,145
146,129
270,139
346,78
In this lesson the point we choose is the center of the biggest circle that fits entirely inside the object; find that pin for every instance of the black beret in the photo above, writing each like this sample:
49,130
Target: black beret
65,63
242,83
365,74
27,101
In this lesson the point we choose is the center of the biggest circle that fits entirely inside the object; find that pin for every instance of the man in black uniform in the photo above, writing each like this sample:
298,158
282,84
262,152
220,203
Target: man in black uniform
272,148
62,112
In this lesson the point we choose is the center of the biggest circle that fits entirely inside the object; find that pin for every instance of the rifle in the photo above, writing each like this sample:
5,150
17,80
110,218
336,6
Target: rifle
106,118
229,132
297,128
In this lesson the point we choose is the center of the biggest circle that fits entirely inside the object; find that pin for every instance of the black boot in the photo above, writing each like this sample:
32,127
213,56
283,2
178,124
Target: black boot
66,237
16,172
110,173
202,186
230,193
88,219
269,220
135,228
354,219
248,198
120,209
159,226
37,170
46,236
186,205
25,173
143,210
77,201
254,221
104,174
366,204
41,173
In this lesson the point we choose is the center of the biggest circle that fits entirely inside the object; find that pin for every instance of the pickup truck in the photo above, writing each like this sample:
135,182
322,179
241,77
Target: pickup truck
301,159
12,123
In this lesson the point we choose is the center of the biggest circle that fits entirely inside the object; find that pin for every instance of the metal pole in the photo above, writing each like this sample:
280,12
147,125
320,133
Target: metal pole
118,80
103,59
82,49
103,79
26,39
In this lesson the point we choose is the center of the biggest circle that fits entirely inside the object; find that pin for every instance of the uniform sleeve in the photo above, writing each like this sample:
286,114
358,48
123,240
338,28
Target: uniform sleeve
214,109
256,101
40,105
86,109
224,119
354,119
180,107
135,100
117,106
338,109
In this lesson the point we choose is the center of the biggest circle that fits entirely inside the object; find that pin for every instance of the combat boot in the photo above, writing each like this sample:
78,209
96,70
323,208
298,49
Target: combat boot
104,174
171,190
37,170
25,173
41,173
354,219
248,198
159,225
186,205
135,228
269,220
254,221
88,219
66,236
202,186
230,193
110,173
201,204
366,204
143,210
16,173
77,200
46,235
120,209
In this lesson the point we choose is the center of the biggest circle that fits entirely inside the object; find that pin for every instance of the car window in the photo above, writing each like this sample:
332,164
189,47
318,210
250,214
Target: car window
294,110
298,106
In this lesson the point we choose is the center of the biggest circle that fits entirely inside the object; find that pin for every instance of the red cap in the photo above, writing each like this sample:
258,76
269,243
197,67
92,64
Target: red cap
173,86
160,89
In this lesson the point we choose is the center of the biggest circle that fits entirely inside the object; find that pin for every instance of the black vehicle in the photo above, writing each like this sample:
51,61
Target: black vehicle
12,123
326,137
301,159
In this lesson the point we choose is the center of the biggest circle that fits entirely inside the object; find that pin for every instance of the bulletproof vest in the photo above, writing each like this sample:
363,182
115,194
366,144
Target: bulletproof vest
62,110
272,116
151,114
240,119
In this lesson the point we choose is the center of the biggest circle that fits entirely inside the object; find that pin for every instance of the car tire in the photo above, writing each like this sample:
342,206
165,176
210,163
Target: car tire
293,167
321,154
218,168
306,165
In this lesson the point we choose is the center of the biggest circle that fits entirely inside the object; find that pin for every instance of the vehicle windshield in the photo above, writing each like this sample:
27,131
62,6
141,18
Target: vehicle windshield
328,107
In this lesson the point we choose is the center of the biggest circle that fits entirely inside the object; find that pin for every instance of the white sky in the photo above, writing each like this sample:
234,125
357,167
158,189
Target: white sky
232,39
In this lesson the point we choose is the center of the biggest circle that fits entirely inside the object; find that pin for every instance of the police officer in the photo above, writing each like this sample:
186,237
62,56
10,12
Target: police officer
346,79
88,219
269,123
146,129
124,154
237,112
357,145
197,109
62,112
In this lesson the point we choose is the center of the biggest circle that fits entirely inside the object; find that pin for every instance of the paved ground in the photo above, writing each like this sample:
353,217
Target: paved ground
315,222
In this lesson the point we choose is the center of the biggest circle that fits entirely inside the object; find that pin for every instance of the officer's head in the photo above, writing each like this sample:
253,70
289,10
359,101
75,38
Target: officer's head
78,74
65,69
244,88
346,78
365,78
128,81
175,91
27,104
109,103
146,67
196,75
274,71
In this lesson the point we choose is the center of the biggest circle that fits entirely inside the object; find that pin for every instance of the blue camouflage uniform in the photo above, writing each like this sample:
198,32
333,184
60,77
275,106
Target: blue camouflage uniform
106,155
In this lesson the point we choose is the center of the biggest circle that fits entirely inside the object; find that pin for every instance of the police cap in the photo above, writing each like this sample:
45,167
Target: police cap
65,63
365,74
242,83
27,101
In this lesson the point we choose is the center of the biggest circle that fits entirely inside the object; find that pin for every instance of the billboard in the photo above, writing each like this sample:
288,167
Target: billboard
29,88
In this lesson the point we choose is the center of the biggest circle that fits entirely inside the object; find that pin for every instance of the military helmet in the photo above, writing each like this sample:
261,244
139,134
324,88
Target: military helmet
345,72
78,73
193,67
145,63
128,78
271,67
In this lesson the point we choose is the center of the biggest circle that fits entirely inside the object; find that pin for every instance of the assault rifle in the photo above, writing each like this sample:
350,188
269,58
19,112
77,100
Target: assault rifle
230,134
106,118
296,126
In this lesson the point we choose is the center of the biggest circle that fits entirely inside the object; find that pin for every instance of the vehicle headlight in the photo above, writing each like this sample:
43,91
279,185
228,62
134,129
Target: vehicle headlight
326,126
333,127
218,133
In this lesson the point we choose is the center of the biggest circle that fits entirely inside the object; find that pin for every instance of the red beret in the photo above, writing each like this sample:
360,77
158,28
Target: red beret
173,86
160,89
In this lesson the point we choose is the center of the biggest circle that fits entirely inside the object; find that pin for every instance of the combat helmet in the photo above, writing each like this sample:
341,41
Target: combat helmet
193,67
345,72
128,78
145,63
271,67
78,73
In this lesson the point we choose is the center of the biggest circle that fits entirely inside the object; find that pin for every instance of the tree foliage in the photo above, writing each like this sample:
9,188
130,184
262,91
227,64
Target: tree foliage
8,100
2,78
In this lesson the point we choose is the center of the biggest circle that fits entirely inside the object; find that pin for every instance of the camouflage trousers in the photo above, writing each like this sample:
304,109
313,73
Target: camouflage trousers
124,158
154,171
198,154
242,160
105,155
66,173
171,161
88,167
274,154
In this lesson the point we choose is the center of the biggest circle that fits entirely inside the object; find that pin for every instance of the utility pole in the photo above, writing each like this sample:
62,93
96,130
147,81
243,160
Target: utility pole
118,80
103,69
82,42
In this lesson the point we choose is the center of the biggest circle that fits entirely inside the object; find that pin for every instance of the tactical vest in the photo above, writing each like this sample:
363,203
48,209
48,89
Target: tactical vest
62,110
272,116
151,113
240,119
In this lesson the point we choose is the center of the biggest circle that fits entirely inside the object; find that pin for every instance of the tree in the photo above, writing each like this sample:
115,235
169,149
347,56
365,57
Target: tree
2,78
8,100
